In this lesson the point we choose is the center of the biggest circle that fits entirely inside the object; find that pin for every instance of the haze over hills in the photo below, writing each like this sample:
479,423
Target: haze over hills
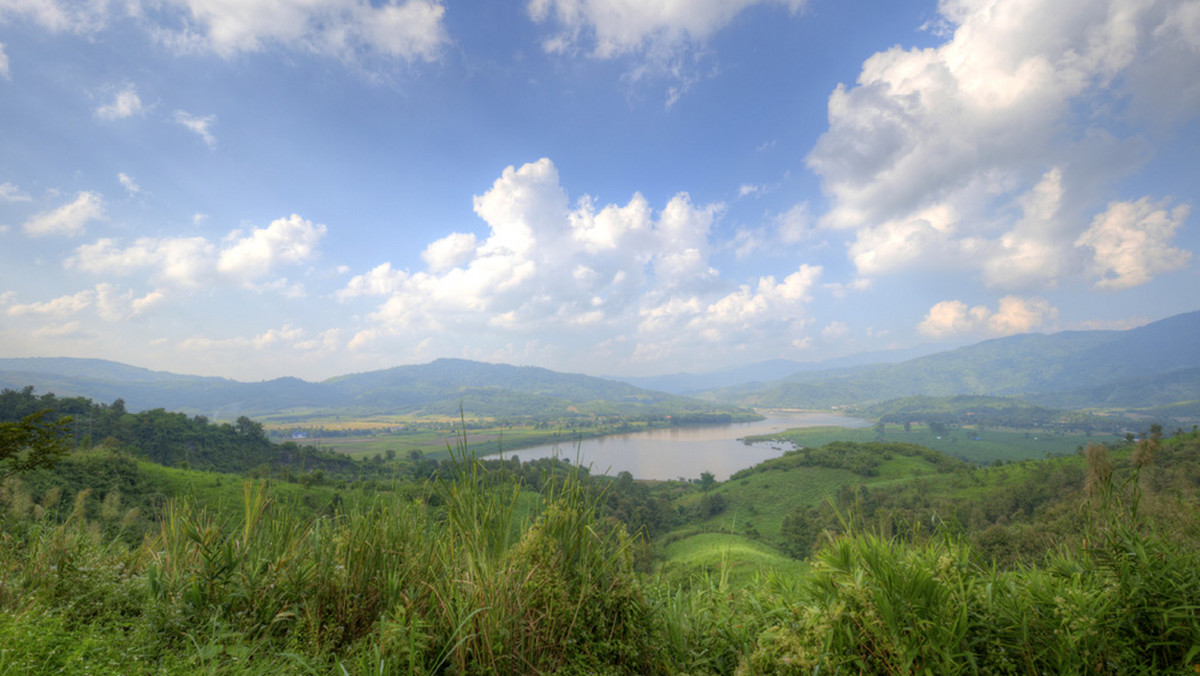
439,387
763,371
1151,366
1077,369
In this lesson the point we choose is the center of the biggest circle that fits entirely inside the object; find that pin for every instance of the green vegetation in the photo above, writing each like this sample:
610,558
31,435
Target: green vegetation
401,435
877,557
1151,366
32,442
970,444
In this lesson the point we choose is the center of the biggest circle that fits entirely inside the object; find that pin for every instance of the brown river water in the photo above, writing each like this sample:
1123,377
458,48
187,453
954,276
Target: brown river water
685,452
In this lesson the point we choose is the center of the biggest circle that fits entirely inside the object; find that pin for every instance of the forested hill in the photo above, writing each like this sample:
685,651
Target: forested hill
440,387
1067,369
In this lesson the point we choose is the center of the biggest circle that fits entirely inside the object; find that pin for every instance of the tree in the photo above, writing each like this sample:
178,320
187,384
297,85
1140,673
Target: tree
707,480
32,442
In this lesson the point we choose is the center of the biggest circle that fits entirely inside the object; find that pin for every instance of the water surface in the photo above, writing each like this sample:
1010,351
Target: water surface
685,452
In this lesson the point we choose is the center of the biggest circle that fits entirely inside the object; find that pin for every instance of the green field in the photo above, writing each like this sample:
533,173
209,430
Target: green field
373,437
731,559
983,446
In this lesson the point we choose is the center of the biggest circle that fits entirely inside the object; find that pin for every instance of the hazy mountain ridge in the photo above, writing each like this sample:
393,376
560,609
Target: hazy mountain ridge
1150,366
1068,369
439,387
766,371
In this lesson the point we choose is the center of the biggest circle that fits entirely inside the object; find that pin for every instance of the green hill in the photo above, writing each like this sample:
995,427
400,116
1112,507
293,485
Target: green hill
1067,369
438,388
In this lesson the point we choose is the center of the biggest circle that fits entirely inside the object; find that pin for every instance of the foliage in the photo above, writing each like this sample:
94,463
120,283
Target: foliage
32,442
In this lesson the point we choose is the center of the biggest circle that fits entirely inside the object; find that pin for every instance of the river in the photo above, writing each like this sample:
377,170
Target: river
685,452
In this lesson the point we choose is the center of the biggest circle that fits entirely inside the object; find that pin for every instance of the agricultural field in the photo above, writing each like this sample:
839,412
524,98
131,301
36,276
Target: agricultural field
981,446
433,438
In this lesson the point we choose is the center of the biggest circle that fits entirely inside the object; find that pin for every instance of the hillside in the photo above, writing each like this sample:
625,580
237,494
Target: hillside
437,388
1068,369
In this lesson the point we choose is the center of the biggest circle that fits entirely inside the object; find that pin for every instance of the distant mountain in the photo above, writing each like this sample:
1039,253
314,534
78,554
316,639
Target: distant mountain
763,371
1159,361
440,387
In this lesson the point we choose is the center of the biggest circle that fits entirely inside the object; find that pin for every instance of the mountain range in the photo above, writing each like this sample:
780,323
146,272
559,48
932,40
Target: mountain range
1149,366
1152,366
437,388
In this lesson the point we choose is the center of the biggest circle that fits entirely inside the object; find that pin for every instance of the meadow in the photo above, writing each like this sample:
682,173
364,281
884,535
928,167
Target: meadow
973,444
870,557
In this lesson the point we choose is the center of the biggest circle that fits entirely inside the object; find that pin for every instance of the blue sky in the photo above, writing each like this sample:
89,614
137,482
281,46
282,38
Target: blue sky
259,188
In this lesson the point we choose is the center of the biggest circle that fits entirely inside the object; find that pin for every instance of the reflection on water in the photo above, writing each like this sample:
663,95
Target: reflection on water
676,452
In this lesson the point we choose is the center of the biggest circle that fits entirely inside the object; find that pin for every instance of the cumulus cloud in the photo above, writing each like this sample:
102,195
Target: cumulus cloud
244,259
411,30
285,240
126,103
5,72
450,251
69,219
1013,315
616,27
976,152
632,279
201,126
183,261
1132,241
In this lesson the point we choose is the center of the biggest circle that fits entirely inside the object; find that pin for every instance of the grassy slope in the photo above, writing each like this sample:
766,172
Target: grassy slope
991,445
756,504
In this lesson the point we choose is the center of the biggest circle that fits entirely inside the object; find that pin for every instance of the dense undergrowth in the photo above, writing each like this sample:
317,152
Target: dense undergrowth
475,574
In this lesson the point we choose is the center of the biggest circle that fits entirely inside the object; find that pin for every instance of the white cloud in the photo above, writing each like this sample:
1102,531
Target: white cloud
5,72
1131,242
126,103
835,330
244,259
980,153
114,305
59,307
616,27
1035,251
665,40
69,219
450,251
58,15
411,30
201,126
631,278
286,336
129,184
285,240
11,193
183,261
924,238
1013,315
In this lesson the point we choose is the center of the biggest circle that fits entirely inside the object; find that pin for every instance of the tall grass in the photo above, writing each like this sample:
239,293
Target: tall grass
463,581
479,578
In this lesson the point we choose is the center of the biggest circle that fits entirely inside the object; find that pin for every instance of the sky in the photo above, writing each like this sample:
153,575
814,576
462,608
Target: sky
265,188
